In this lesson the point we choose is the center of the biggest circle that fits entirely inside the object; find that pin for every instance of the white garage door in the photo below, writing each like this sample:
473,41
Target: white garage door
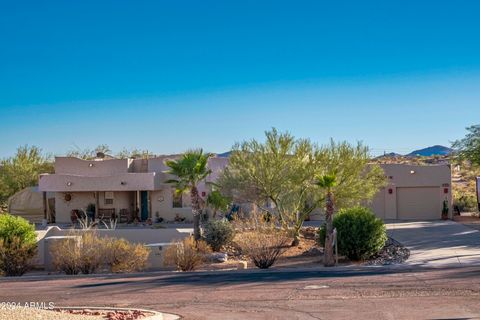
419,203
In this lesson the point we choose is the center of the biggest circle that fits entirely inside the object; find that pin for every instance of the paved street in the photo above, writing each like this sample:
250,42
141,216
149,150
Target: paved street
360,293
438,243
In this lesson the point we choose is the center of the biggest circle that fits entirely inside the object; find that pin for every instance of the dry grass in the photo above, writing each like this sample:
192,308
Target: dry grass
88,252
187,254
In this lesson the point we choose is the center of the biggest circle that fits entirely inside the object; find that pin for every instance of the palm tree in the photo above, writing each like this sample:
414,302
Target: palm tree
327,182
217,202
190,170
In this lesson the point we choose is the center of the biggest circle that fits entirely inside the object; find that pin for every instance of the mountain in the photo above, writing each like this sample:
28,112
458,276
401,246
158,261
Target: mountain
389,155
224,155
431,151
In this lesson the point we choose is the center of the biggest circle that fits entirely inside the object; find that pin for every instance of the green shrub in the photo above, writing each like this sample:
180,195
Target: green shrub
18,245
218,233
360,234
12,226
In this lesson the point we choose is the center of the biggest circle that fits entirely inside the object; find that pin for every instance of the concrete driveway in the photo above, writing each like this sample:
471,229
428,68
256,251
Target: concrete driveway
438,243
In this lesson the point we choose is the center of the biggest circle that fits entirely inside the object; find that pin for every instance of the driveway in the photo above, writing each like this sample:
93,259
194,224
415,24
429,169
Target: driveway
438,243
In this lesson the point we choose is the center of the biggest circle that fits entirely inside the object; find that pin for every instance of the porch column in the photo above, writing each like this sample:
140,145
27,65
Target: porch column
44,205
137,209
97,203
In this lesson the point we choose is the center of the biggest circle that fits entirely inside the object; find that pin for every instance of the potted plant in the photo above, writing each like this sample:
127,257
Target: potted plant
445,210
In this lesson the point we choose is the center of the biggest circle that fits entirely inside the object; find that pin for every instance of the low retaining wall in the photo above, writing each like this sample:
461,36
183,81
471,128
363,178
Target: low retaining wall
145,236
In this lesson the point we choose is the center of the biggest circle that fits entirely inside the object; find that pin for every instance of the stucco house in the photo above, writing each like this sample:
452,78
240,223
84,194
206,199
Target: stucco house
137,188
413,192
126,188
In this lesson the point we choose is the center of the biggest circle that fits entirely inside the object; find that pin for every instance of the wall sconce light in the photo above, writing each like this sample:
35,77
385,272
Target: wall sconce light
445,190
69,183
412,171
204,193
390,190
90,165
123,183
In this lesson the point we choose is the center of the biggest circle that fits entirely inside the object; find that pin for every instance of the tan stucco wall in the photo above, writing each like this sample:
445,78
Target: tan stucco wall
75,166
401,176
63,208
145,236
118,182
162,202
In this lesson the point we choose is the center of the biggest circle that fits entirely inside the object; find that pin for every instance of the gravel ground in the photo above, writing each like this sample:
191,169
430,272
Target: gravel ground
40,314
392,253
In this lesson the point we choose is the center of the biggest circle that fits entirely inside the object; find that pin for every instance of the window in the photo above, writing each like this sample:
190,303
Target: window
109,197
177,200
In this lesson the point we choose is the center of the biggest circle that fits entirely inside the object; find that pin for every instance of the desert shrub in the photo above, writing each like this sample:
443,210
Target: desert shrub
66,255
360,234
18,245
218,233
124,256
92,252
465,201
89,252
262,240
187,254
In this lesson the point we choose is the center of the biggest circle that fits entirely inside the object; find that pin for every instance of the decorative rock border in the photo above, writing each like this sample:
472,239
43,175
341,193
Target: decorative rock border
155,315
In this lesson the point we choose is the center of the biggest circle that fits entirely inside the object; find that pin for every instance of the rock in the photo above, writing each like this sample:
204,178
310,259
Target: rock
217,257
392,253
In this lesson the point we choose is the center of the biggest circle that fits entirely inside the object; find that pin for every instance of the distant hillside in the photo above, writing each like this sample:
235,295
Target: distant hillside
224,155
389,155
431,151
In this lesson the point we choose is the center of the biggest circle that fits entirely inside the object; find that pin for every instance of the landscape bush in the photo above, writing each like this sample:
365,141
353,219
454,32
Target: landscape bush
18,245
218,233
87,252
124,256
262,240
187,254
66,254
360,234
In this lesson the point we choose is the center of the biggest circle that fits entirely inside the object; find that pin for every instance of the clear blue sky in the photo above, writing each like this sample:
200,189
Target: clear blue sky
170,75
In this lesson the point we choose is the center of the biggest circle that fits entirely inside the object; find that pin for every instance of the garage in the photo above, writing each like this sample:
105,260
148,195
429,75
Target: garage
418,203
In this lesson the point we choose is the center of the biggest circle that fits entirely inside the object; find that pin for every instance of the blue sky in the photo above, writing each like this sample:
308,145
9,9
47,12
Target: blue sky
170,75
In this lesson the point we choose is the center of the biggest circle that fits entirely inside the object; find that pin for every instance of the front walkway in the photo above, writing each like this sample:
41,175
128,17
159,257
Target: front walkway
437,243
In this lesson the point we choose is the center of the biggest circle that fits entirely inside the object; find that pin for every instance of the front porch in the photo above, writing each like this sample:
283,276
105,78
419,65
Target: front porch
122,206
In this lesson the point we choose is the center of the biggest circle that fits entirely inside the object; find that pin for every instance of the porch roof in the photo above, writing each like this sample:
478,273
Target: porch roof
120,182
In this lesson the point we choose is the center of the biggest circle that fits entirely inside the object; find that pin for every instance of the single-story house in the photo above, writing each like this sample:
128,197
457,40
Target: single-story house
137,188
127,188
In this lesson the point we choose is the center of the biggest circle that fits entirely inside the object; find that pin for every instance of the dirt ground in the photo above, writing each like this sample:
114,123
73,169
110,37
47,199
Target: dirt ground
468,220
307,254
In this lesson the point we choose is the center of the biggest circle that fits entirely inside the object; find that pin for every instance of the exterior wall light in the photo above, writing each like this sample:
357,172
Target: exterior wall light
123,183
390,191
412,171
90,165
69,183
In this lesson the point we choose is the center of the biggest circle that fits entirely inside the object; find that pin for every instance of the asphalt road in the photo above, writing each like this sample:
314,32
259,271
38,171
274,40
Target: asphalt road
356,293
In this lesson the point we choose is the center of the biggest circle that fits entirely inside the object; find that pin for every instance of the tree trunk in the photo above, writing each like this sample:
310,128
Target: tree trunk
329,259
196,211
